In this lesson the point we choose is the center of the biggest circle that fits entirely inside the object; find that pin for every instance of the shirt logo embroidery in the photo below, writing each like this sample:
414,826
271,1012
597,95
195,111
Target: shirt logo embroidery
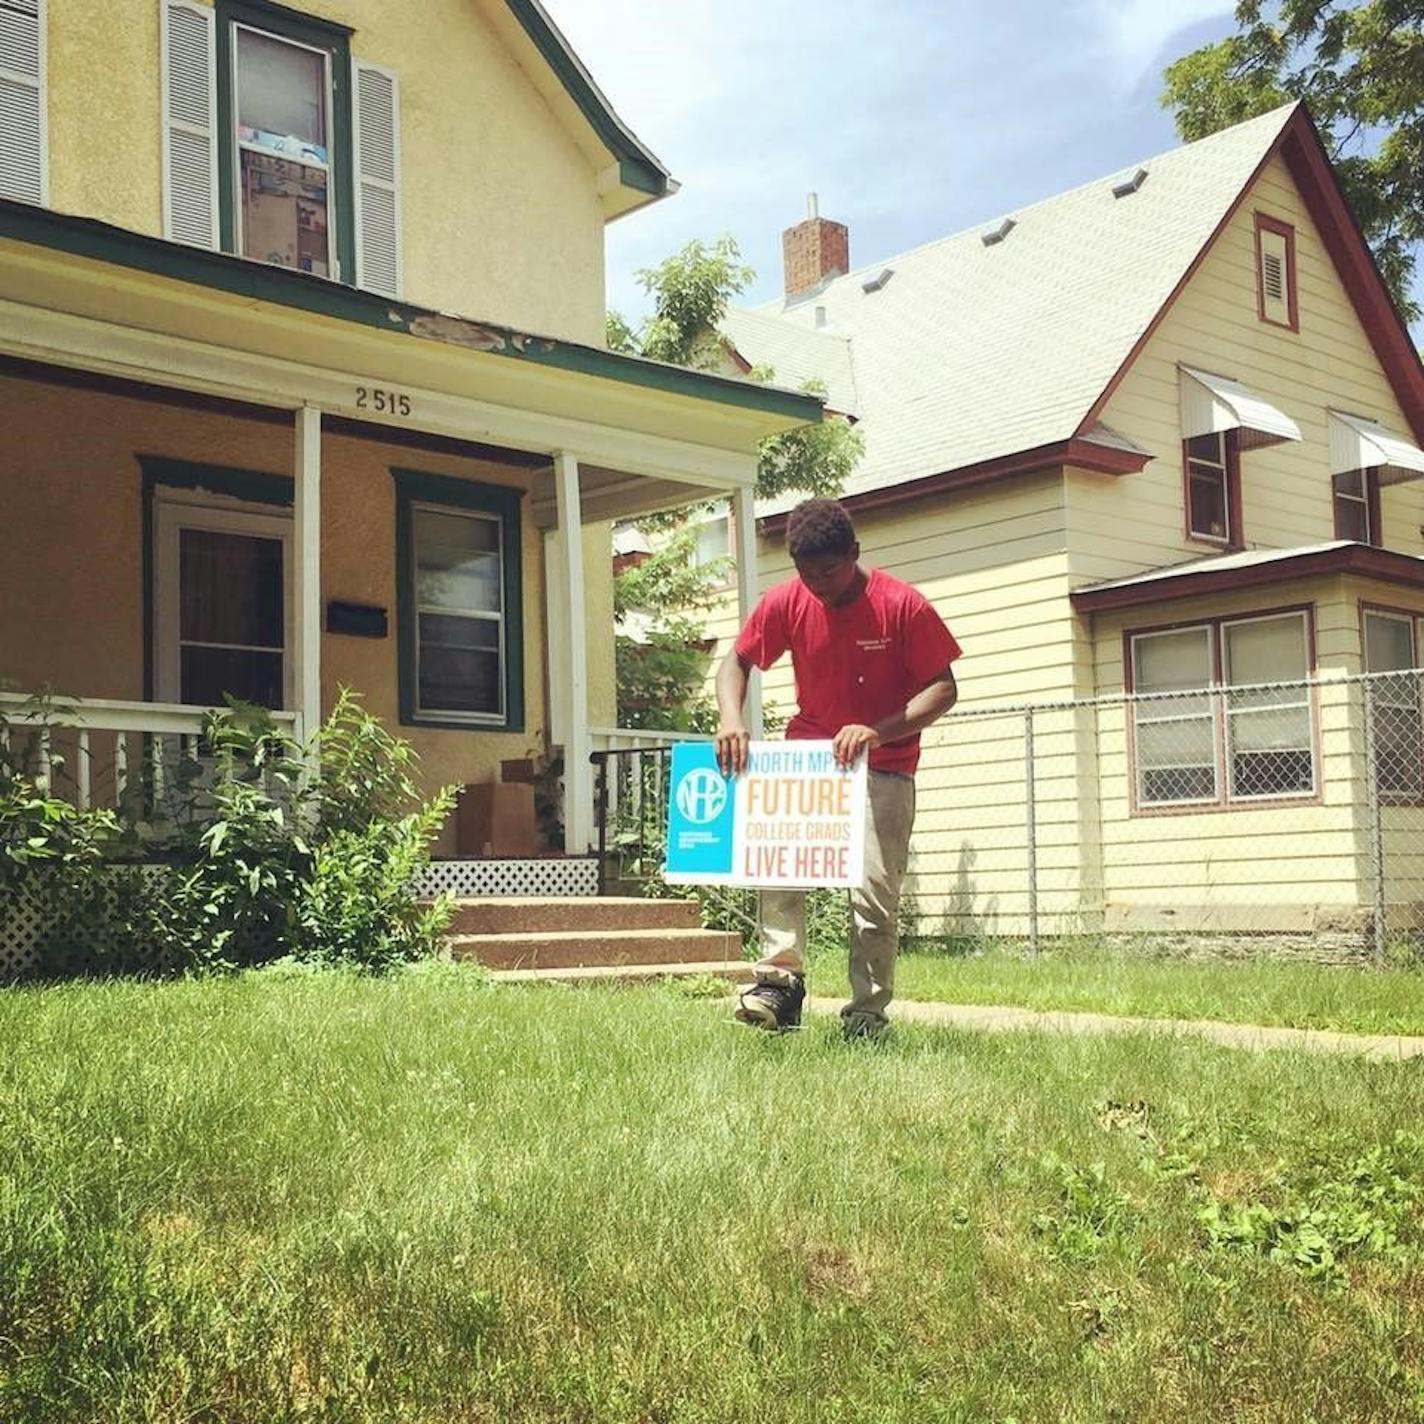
872,645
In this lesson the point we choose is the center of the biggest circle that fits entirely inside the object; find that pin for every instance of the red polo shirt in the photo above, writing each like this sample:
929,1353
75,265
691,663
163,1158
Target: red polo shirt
860,662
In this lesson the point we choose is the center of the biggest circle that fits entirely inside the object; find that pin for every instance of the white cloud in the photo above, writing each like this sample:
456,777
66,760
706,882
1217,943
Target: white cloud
1138,30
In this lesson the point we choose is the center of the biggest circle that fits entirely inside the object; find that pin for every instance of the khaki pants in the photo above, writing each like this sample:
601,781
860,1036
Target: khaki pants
874,908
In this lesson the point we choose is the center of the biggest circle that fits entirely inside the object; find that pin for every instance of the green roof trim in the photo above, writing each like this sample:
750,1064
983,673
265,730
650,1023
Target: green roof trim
637,167
282,286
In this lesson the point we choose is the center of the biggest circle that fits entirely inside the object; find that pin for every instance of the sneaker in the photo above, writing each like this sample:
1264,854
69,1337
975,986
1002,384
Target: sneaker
859,1027
772,1006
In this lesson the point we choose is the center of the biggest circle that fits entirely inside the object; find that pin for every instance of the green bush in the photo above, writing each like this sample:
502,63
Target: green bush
271,851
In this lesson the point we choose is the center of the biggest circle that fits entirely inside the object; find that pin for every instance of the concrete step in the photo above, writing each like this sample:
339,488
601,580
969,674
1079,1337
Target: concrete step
735,973
593,948
520,914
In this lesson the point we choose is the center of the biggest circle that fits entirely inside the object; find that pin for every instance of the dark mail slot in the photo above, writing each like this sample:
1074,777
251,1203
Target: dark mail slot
361,620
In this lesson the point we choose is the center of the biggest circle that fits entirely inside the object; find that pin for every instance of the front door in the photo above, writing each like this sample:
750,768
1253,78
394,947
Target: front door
222,602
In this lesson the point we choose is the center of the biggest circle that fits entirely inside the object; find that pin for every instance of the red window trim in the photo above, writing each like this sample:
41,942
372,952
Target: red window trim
1223,801
1413,616
1235,533
1372,506
1265,222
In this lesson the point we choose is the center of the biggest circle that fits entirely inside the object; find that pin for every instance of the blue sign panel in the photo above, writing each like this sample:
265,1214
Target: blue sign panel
701,814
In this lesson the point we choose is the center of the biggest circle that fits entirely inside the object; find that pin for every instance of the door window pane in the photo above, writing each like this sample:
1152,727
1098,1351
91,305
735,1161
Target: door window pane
231,627
208,673
230,588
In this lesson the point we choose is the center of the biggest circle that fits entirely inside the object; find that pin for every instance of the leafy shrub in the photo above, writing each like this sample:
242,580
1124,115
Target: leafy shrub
273,850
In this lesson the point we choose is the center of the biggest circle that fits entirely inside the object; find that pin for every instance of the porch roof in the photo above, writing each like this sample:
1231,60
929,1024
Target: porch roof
91,268
1253,568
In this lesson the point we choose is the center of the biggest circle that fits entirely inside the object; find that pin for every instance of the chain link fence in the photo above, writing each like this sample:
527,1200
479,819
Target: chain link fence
1267,818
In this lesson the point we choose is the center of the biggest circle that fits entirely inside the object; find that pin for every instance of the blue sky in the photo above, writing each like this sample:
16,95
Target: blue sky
909,118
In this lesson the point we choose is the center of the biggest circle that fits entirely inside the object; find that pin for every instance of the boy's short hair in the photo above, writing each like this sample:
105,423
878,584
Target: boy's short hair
819,526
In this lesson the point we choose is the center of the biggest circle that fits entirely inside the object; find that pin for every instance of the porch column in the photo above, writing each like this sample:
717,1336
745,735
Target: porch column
306,575
744,517
578,773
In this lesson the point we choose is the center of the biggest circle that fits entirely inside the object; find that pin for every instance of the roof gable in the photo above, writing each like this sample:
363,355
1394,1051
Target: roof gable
978,351
630,175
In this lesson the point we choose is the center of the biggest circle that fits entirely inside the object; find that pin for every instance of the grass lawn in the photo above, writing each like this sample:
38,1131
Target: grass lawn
426,1199
1099,980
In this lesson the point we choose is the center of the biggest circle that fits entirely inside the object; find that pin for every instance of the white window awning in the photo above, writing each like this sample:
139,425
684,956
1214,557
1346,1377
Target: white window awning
1212,403
1360,444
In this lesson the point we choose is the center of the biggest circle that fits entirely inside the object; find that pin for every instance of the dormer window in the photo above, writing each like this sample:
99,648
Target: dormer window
1214,488
1356,497
1275,273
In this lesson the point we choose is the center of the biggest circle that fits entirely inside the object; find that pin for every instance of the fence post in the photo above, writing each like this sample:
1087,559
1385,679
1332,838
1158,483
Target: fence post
1031,832
600,760
1372,800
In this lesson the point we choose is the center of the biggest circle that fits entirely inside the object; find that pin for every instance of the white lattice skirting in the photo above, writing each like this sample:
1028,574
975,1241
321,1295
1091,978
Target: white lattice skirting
21,922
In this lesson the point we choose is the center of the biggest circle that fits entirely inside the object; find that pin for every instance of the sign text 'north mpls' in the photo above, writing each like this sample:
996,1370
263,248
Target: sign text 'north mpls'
793,819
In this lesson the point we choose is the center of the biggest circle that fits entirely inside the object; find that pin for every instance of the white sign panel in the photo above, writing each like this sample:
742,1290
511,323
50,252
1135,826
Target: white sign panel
792,820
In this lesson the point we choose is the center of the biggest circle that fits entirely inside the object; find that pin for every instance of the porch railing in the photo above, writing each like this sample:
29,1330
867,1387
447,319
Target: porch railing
631,775
94,752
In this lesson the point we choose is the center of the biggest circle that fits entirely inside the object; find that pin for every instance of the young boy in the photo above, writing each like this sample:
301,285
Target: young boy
872,663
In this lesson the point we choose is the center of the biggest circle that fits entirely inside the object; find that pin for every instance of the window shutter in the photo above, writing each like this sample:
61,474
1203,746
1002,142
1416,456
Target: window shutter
190,123
23,101
377,187
1275,299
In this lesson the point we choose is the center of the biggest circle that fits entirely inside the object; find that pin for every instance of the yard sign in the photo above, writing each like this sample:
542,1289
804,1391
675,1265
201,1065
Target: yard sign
792,820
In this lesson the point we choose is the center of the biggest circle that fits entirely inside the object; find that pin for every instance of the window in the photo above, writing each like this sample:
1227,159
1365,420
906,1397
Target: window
714,545
458,561
1213,475
285,142
1275,272
222,600
1397,730
1269,746
277,144
1218,739
283,151
1356,501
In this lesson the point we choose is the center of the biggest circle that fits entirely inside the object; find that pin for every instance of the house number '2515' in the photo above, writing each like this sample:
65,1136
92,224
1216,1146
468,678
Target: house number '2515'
383,401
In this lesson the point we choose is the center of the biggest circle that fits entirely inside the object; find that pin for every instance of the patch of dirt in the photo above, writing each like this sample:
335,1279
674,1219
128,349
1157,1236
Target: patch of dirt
831,1270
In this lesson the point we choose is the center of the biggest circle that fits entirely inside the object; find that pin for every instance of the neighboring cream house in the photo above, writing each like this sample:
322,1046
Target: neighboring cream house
1161,432
303,382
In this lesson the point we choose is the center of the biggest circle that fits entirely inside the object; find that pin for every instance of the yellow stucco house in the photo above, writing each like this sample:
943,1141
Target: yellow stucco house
303,381
1157,435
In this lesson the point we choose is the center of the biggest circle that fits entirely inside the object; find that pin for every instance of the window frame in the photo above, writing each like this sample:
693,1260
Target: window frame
1264,222
1231,473
1370,498
729,577
1219,691
1413,618
310,32
420,489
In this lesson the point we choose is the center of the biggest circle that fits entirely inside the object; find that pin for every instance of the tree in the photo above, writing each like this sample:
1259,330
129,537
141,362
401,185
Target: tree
1360,69
660,673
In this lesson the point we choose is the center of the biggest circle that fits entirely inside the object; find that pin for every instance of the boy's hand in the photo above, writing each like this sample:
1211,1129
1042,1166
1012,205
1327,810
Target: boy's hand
730,743
851,741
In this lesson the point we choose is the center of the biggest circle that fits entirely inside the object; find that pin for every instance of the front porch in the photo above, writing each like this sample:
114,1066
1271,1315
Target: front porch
212,492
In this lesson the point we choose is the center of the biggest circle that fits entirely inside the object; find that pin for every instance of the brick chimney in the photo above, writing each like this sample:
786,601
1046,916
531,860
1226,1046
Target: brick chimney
814,250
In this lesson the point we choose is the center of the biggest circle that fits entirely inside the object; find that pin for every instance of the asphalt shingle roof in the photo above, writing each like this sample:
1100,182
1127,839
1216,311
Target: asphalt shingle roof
969,352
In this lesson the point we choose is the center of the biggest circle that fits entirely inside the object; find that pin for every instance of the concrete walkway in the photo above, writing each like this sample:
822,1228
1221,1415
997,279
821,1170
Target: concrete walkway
998,1018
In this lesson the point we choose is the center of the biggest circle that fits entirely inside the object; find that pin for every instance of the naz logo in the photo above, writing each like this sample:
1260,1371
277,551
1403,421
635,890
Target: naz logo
701,795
